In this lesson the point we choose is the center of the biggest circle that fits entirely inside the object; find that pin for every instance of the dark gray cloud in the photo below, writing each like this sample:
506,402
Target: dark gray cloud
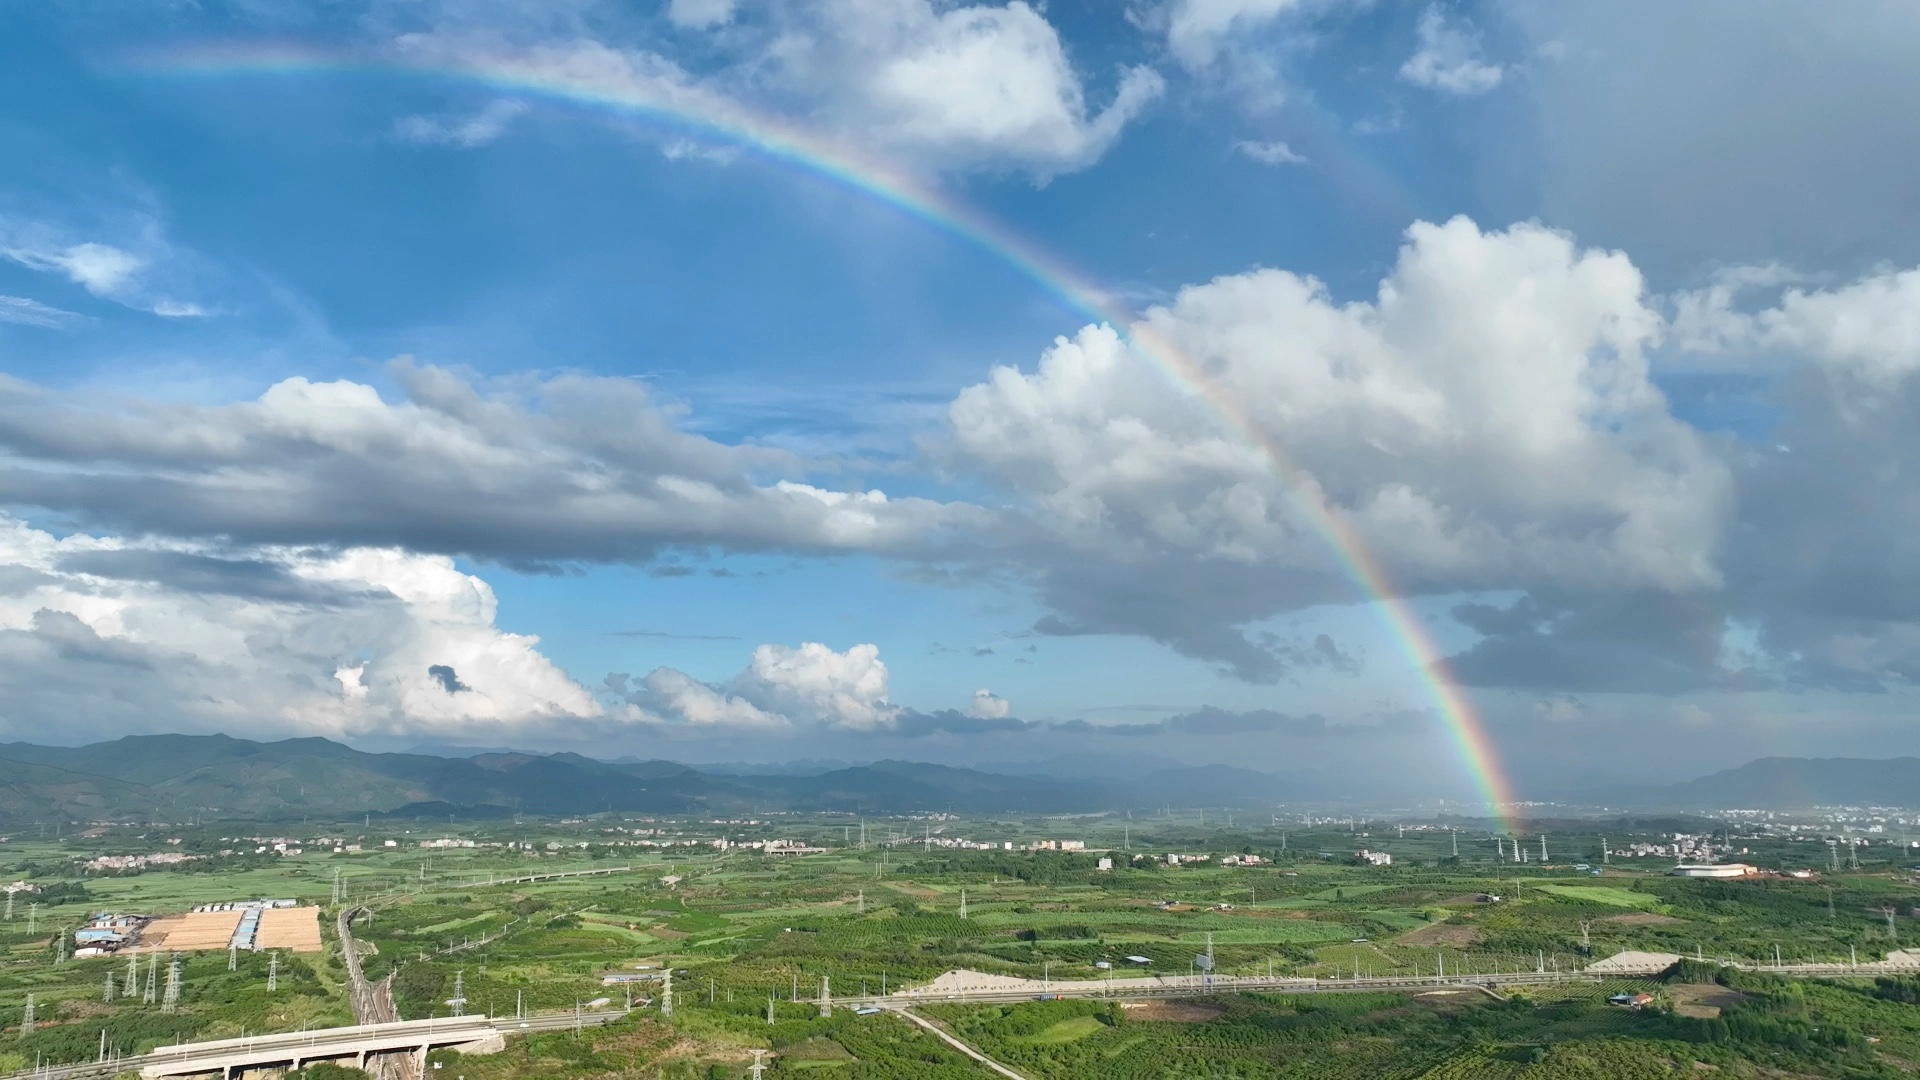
74,642
1197,607
446,678
1811,165
1823,563
253,579
573,469
1644,641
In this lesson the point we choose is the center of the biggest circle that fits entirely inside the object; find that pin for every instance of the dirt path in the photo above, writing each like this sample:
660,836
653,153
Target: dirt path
950,1040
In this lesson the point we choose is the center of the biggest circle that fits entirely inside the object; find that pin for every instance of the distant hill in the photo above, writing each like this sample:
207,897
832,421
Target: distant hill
173,776
1779,783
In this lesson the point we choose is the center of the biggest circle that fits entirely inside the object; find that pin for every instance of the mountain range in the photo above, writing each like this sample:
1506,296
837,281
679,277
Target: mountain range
171,777
1778,783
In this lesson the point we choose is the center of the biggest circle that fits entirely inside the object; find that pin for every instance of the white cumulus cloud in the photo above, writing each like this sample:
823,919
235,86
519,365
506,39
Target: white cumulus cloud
811,686
104,636
1486,421
988,705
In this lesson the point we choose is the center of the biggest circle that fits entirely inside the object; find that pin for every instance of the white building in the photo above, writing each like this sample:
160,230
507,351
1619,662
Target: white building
1714,870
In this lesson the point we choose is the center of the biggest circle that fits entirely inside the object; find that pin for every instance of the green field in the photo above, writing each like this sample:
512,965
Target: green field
739,929
1602,894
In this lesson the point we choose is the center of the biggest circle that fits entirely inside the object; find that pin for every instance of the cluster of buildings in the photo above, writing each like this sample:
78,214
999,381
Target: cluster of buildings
1688,847
770,847
1373,858
267,845
106,932
963,843
104,864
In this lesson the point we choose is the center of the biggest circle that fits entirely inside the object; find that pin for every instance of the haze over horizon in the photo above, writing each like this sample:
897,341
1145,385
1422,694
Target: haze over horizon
676,380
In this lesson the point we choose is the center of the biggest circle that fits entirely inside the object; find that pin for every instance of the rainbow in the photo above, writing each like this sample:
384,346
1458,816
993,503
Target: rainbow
603,82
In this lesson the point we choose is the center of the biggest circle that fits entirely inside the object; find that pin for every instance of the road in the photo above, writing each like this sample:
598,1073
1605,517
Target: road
1201,986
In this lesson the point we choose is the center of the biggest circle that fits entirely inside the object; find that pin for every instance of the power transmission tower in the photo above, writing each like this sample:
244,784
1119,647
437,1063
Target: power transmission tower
338,894
33,916
26,1018
1606,854
1893,938
1454,835
759,1067
171,1003
108,996
60,957
459,999
273,972
666,993
1585,941
1543,847
233,958
133,976
153,978
826,998
861,903
963,903
769,1008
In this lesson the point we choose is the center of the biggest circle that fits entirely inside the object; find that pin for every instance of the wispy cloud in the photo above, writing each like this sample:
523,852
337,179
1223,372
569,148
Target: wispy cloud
689,150
1448,59
1269,153
116,272
461,131
24,312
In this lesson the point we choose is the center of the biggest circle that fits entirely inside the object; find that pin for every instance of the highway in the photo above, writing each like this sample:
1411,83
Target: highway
401,1041
1200,986
523,878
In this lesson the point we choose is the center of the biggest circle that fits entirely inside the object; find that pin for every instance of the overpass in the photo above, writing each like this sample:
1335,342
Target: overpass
469,1034
293,1049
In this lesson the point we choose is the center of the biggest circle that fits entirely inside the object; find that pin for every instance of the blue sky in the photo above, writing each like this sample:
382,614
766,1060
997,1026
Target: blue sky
313,366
